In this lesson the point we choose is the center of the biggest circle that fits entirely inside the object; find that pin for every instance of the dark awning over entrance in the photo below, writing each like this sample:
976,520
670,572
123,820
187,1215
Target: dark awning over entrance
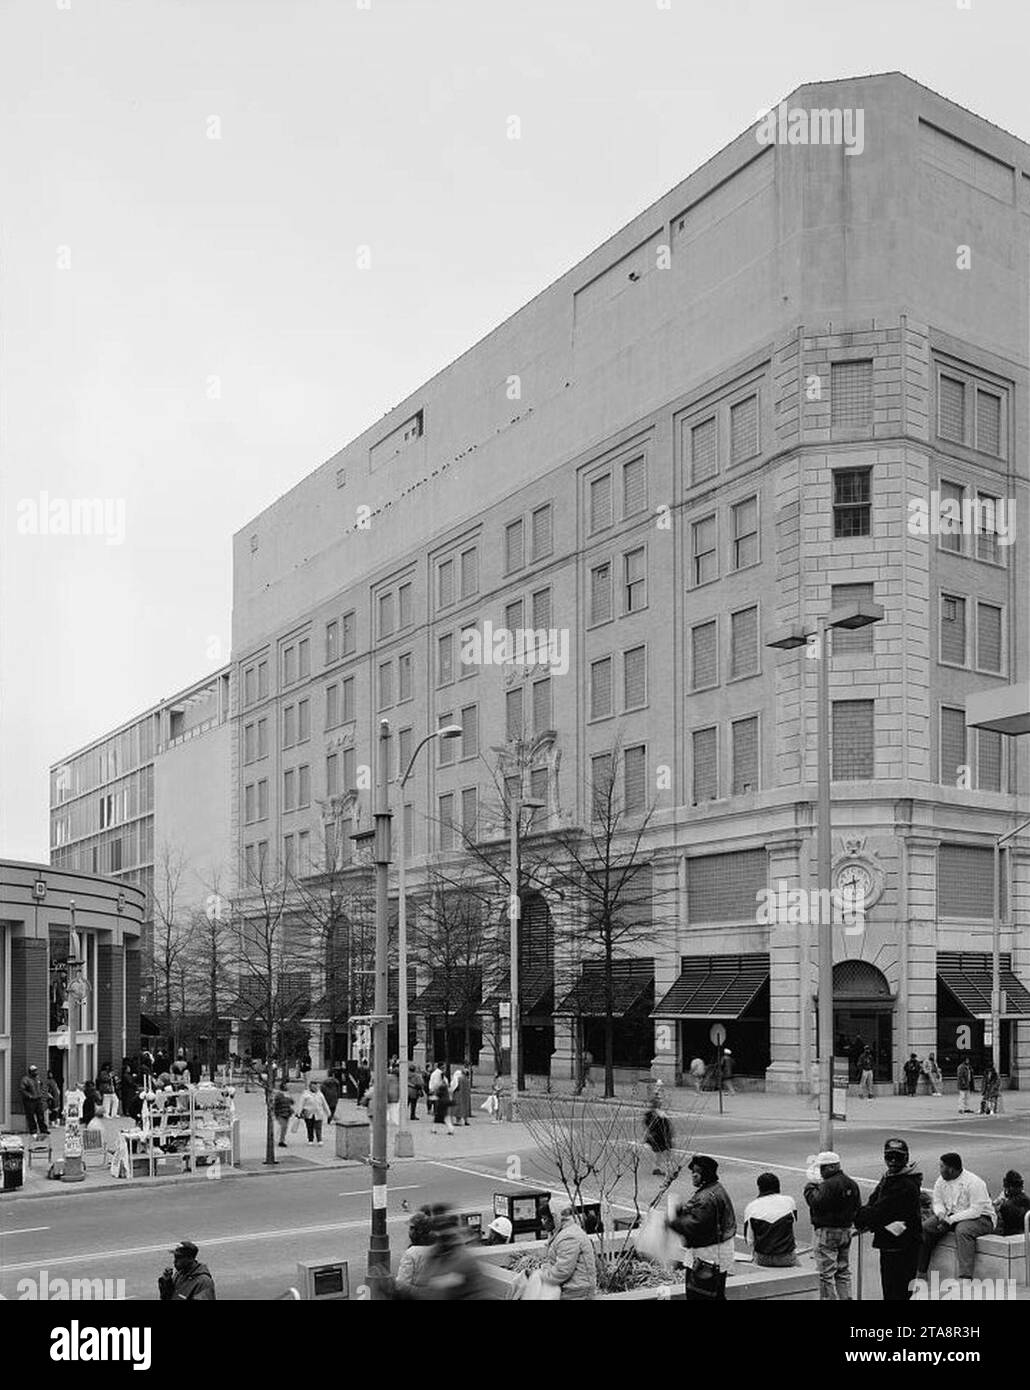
453,995
632,990
714,987
967,975
148,1028
537,994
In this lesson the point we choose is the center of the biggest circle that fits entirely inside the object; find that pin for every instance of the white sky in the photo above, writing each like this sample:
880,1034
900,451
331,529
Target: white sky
193,258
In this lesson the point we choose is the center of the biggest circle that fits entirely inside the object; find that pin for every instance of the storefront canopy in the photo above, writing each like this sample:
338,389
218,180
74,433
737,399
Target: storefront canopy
537,991
454,995
967,975
632,990
714,987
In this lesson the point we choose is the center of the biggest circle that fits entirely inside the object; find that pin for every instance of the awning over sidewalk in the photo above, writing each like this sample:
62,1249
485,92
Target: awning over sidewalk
967,975
537,993
714,987
632,990
454,995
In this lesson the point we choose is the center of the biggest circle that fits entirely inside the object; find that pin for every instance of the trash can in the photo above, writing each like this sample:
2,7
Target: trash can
12,1162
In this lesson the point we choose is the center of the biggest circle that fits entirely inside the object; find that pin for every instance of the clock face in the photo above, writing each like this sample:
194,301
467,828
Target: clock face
855,883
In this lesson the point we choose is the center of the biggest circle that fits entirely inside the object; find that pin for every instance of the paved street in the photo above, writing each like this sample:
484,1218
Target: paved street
254,1227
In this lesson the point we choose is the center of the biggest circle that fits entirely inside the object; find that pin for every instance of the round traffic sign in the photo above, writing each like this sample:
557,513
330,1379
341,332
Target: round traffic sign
717,1033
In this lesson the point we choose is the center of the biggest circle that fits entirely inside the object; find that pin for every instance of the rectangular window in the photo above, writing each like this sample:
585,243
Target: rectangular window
513,615
404,611
445,584
634,487
706,765
469,572
745,533
601,688
288,859
600,784
744,429
745,755
988,422
304,852
853,750
953,747
601,593
445,745
250,689
988,638
446,825
704,451
332,706
262,680
634,783
470,731
262,736
951,408
952,497
988,760
250,803
289,665
404,676
744,642
250,743
538,791
332,775
403,752
542,609
514,557
541,706
445,659
386,685
466,651
852,502
289,790
289,726
704,656
348,700
348,634
303,721
634,678
513,713
250,863
601,503
303,658
988,546
385,615
470,813
953,630
965,883
851,395
332,643
262,787
634,591
543,542
350,771
724,887
705,560
859,639
304,785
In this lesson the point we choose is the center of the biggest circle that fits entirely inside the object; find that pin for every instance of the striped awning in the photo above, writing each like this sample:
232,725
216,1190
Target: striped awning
967,975
714,987
632,990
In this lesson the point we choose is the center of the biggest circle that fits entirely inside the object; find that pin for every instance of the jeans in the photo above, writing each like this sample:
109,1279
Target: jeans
412,1107
832,1250
787,1261
35,1119
867,1084
963,1098
897,1270
110,1106
283,1122
314,1128
966,1232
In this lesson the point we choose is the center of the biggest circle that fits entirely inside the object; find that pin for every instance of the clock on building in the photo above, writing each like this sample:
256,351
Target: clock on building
857,882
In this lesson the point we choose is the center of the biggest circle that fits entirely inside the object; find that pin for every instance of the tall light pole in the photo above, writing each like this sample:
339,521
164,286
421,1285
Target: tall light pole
379,1241
514,906
404,1146
847,616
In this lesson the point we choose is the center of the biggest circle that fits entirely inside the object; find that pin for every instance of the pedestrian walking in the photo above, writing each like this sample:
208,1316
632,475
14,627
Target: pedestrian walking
708,1224
448,1271
415,1090
440,1096
990,1091
420,1239
331,1091
313,1110
128,1090
493,1102
697,1074
92,1103
190,1281
726,1072
964,1079
961,1203
1012,1206
893,1213
585,1069
865,1071
912,1071
108,1091
932,1072
833,1201
461,1094
33,1103
393,1097
570,1261
282,1111
53,1099
770,1220
658,1138
364,1079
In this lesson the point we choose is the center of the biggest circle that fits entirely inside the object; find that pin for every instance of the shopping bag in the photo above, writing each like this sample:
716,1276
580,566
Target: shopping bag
490,1104
540,1289
655,1241
294,1124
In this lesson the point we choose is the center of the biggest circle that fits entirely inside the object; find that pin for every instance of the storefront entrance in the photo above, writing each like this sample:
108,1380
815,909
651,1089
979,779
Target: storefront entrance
863,1016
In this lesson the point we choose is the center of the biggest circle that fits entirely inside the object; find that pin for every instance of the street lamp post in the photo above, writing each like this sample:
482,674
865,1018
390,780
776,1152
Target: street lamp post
379,1241
404,1146
847,616
514,905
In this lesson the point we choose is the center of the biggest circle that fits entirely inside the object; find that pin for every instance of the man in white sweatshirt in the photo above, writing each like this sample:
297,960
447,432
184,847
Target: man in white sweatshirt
961,1203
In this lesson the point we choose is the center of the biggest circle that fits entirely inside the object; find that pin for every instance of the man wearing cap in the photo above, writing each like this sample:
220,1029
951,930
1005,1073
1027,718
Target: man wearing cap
833,1201
32,1100
499,1231
961,1203
894,1215
707,1223
190,1281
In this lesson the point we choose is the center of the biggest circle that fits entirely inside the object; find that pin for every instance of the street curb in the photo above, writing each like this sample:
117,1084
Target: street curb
187,1179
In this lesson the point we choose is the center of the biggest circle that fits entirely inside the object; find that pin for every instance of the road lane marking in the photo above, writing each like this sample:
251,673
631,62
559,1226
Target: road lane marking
364,1192
24,1231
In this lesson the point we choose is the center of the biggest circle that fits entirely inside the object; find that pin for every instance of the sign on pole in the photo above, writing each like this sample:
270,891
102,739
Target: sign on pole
717,1034
839,1107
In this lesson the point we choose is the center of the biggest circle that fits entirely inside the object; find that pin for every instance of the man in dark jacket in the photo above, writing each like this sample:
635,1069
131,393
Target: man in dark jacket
894,1215
190,1282
449,1272
1012,1206
33,1103
415,1089
833,1201
707,1224
331,1091
913,1071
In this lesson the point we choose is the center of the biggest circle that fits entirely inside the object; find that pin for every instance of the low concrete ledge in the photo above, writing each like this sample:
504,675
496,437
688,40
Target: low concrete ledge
997,1257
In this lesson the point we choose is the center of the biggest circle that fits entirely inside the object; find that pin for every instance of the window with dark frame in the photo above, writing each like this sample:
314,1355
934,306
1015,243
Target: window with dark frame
852,502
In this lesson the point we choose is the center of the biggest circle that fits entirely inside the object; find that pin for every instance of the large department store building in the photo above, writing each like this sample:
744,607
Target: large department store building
714,426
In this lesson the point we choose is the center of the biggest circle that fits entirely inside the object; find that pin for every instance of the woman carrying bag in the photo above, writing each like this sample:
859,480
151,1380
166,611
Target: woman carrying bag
313,1110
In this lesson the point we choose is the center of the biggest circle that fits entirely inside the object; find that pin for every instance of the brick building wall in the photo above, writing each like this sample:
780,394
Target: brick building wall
30,1011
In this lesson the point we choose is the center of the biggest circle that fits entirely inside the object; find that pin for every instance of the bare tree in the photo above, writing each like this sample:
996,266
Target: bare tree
173,934
210,978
